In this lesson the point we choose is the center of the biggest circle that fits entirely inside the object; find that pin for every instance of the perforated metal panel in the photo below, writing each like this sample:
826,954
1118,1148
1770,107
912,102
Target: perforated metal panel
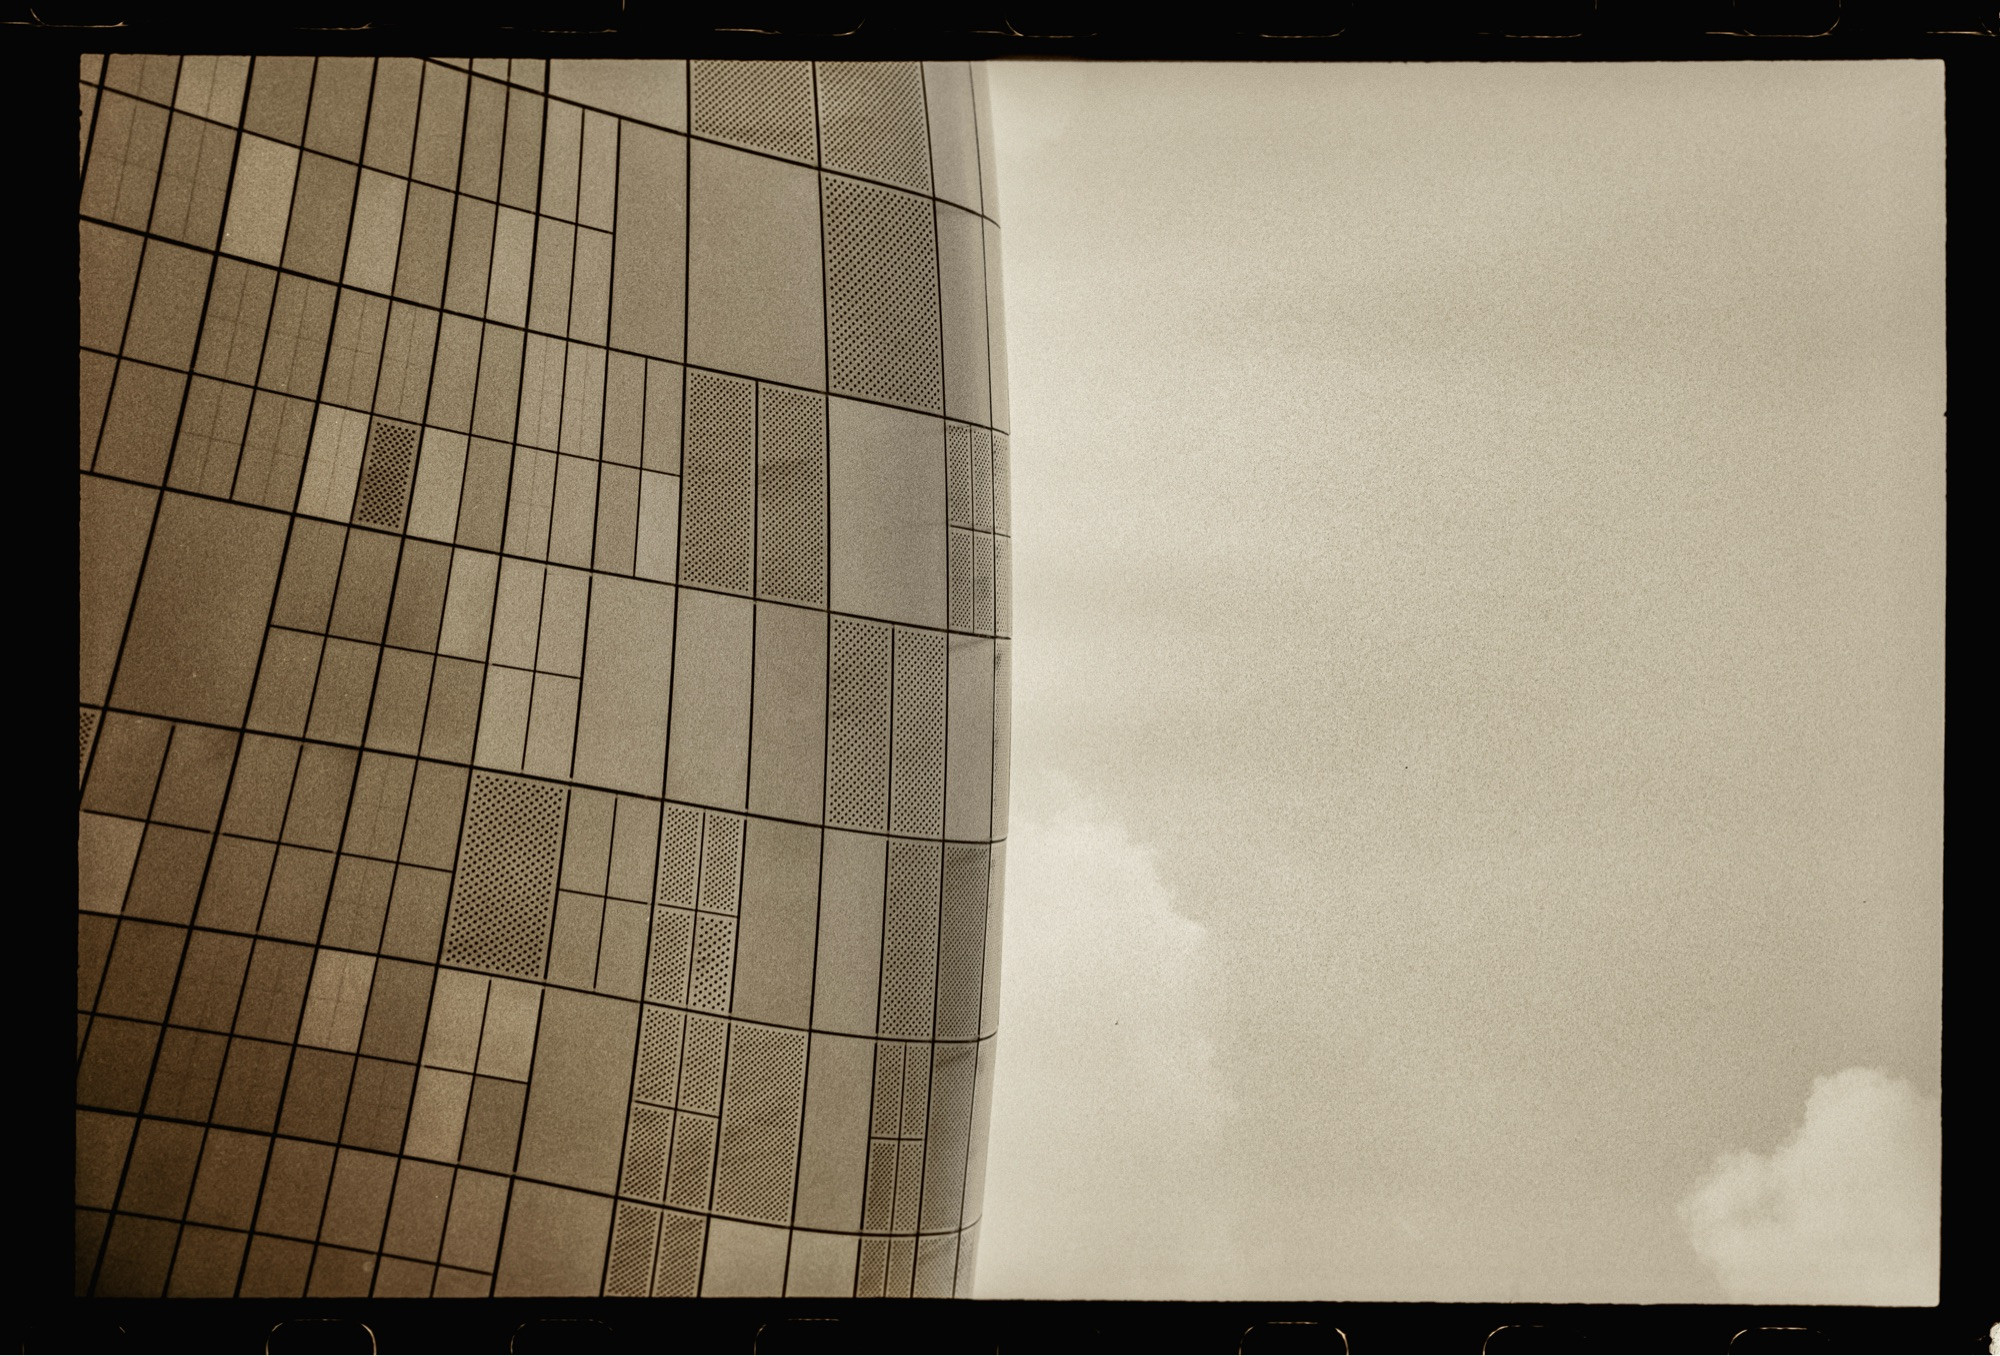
714,961
982,583
878,1201
948,1137
968,1259
503,901
909,939
1003,733
871,1268
857,736
937,1258
765,104
873,123
916,1091
86,736
886,1111
909,1184
1003,485
657,1077
961,941
694,1161
1003,586
958,474
902,1257
668,955
719,482
881,295
721,862
680,855
648,1138
681,1240
635,1231
701,1064
386,473
916,799
791,495
982,480
958,580
758,1157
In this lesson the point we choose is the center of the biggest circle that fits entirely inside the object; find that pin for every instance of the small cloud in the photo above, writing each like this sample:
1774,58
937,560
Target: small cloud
1843,1212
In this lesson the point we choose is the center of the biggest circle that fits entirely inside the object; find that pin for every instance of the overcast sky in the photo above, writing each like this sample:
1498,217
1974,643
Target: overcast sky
1479,682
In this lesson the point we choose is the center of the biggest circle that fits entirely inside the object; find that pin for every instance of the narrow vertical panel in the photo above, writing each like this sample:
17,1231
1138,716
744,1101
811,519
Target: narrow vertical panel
848,967
857,741
648,274
762,1104
969,757
621,732
788,722
575,1119
777,922
709,758
833,1153
909,939
754,298
887,495
962,286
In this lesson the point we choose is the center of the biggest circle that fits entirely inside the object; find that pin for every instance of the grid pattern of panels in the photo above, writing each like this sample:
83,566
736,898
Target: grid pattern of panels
881,295
357,328
765,104
503,902
857,725
791,495
873,123
718,485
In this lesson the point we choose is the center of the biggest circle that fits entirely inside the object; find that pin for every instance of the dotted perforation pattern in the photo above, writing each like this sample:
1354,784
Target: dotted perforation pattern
857,739
791,495
668,955
882,298
718,482
694,1161
680,855
962,940
909,938
958,474
682,1242
712,969
657,1078
86,735
764,104
721,862
758,1155
503,899
916,803
873,122
648,1140
1003,486
386,473
635,1234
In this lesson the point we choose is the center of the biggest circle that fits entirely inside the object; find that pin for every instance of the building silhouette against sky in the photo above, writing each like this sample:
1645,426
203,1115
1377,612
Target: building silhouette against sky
543,676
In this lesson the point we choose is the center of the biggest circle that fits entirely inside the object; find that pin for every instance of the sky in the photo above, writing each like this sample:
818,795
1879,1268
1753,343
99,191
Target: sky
1478,700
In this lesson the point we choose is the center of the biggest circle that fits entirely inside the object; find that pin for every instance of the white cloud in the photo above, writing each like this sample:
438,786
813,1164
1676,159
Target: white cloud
1843,1212
1108,1102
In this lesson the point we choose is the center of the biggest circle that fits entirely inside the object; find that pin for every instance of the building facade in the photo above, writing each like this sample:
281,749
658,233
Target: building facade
543,676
